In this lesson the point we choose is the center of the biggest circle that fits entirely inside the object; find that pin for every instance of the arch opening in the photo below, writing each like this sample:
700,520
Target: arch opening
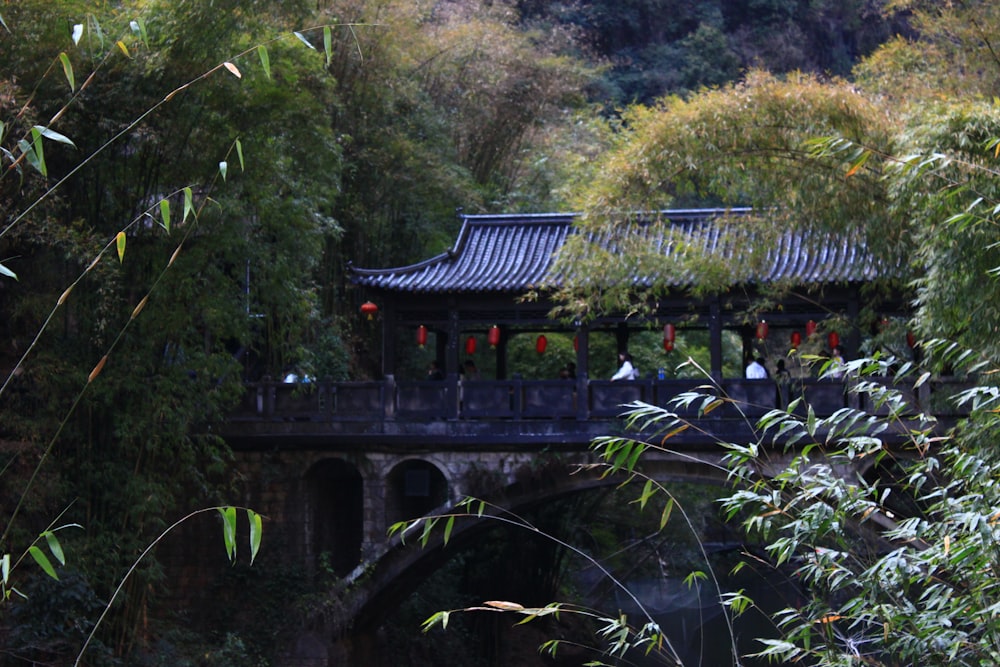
335,515
414,488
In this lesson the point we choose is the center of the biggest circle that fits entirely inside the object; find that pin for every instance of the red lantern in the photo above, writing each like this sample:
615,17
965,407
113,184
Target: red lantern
576,343
911,340
493,337
833,340
421,335
762,330
368,308
668,345
796,340
541,344
470,345
669,332
810,328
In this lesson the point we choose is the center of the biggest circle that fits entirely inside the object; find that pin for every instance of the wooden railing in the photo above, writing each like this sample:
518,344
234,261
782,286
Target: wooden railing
554,399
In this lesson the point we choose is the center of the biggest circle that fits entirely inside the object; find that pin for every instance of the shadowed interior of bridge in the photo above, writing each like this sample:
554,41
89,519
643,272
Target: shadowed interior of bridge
380,585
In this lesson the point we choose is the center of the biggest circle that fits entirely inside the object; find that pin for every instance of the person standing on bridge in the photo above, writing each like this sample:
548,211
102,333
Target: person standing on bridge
626,371
756,370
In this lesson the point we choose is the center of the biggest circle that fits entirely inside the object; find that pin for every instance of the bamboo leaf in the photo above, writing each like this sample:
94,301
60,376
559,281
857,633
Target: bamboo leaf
138,27
39,150
4,271
188,204
120,246
448,527
328,44
96,27
860,162
77,32
265,59
233,69
229,530
43,561
256,531
54,546
439,618
667,511
54,136
5,568
223,169
67,70
302,38
124,49
425,535
239,154
647,492
165,214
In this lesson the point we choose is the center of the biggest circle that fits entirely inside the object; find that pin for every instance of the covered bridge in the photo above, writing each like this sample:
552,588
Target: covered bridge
471,298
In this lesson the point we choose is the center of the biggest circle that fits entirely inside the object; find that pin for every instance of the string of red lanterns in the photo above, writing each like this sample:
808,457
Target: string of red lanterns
368,308
669,335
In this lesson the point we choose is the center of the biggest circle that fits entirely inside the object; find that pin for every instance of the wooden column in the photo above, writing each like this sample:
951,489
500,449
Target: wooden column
582,371
502,354
715,338
621,337
854,335
389,333
451,360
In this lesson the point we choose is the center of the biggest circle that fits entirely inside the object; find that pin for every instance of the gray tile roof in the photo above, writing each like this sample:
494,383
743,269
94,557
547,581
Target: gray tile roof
514,253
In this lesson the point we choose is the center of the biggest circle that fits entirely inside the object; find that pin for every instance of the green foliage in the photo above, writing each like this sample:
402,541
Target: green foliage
895,564
654,47
744,145
949,54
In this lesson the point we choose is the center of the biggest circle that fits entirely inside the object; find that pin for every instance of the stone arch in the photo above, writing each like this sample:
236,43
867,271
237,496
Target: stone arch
334,514
414,487
394,573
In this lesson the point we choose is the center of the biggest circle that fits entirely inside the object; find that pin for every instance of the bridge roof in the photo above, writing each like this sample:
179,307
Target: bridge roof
514,253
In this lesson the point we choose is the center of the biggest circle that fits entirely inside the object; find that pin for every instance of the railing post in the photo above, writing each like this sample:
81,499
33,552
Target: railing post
269,398
582,397
451,392
388,398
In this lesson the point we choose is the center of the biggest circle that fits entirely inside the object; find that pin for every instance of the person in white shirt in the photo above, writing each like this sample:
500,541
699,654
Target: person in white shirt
626,371
837,364
756,369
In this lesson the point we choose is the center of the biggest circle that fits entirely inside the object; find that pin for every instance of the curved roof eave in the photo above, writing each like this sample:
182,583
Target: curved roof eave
513,254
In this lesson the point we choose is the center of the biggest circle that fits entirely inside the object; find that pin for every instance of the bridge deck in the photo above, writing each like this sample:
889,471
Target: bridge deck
520,412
